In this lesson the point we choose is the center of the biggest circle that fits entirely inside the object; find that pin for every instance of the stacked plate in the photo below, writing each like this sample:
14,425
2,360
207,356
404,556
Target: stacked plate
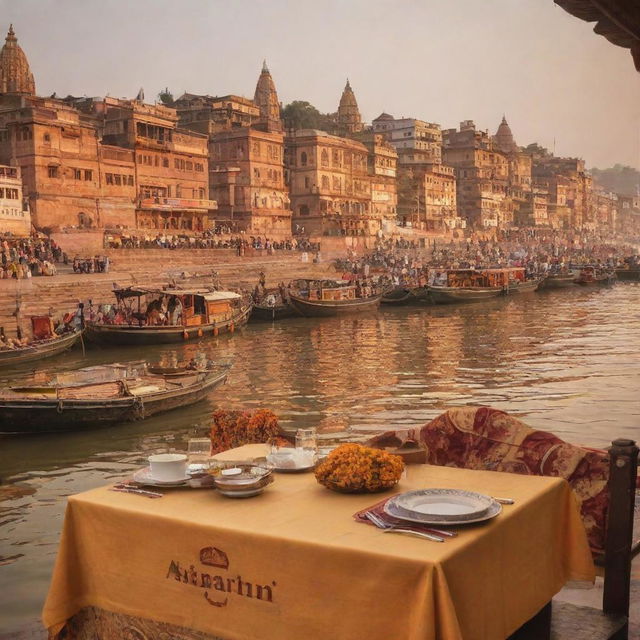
243,481
442,506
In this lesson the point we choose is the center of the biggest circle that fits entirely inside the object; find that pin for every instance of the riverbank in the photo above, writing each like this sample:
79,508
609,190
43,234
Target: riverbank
152,268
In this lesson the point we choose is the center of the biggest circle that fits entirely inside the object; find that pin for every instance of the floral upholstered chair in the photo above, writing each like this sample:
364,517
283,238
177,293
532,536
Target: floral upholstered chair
603,482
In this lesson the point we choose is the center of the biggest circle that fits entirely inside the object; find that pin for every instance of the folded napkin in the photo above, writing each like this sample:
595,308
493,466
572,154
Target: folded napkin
378,510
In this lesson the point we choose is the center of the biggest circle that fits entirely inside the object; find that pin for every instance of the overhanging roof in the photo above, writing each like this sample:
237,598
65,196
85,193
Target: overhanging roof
617,20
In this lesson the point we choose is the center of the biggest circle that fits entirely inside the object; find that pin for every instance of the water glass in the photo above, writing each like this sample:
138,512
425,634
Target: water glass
199,451
306,440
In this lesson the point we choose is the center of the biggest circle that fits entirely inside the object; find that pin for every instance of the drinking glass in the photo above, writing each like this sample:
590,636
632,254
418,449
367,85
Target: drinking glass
199,451
306,440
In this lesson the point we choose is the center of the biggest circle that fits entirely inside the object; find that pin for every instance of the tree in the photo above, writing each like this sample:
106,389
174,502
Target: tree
300,114
537,150
619,179
166,97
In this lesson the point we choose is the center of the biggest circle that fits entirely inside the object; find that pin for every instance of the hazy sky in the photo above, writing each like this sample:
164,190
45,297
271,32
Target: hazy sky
438,60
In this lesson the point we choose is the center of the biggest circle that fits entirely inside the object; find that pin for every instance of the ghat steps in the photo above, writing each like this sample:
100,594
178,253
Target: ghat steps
149,268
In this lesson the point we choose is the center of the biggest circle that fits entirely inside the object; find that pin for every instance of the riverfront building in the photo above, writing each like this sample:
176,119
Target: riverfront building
15,217
246,153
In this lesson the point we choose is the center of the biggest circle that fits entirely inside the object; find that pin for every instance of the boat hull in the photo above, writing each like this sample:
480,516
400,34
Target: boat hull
628,275
451,295
31,416
528,286
135,335
558,282
330,308
269,314
397,296
15,357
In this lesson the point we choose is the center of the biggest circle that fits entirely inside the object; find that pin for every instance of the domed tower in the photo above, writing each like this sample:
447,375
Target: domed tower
266,100
15,76
349,119
504,138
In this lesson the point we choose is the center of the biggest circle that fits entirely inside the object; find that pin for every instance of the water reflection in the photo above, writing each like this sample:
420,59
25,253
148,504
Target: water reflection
567,361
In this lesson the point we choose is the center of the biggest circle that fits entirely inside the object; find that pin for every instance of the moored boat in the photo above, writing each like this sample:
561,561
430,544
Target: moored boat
169,316
468,285
333,298
397,296
272,305
593,276
519,283
45,344
103,395
628,274
559,280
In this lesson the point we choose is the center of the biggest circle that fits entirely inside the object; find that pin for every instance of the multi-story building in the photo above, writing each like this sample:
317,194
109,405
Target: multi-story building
570,190
15,217
606,209
427,197
209,115
409,133
482,177
100,163
329,184
171,164
246,152
628,216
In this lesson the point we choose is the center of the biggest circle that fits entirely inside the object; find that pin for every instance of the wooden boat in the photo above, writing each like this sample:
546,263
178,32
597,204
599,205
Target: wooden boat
46,342
331,298
590,276
519,283
202,314
628,274
100,396
397,296
271,306
559,281
421,294
39,349
469,285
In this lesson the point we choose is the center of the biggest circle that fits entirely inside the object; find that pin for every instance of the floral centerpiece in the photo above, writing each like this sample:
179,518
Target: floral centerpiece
353,468
235,428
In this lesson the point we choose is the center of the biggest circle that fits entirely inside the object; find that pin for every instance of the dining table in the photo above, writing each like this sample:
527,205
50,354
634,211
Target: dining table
295,562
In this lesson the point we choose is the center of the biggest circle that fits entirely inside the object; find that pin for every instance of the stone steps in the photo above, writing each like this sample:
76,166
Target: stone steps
63,292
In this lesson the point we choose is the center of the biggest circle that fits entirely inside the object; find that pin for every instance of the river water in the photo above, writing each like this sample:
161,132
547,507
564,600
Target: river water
565,361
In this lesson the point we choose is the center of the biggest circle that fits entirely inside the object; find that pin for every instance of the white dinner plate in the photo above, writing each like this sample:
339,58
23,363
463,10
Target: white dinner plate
249,493
391,509
444,504
143,476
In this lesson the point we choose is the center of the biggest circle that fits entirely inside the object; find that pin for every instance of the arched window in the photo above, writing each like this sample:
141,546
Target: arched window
303,159
325,182
324,158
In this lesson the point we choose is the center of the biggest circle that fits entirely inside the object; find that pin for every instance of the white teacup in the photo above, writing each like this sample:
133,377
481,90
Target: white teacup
168,467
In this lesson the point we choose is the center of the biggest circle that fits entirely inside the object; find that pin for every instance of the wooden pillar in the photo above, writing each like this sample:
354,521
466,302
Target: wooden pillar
623,470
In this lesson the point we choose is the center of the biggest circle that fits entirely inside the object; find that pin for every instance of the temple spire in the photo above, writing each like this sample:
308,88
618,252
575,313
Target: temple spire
504,137
266,99
349,119
15,75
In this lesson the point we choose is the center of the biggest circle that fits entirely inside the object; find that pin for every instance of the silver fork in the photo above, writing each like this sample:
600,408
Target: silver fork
389,528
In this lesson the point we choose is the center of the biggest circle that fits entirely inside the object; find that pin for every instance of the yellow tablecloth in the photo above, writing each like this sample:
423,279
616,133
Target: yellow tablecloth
292,563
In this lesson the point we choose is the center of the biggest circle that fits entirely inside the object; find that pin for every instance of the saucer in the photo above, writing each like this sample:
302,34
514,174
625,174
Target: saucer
143,476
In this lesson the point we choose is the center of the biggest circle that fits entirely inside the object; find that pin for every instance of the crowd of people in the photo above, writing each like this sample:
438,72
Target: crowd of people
208,240
97,264
28,257
539,255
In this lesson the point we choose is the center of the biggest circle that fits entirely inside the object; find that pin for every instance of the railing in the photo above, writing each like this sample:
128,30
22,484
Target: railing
170,204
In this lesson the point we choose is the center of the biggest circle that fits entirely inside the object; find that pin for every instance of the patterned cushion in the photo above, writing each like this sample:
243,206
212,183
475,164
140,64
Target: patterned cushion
485,438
